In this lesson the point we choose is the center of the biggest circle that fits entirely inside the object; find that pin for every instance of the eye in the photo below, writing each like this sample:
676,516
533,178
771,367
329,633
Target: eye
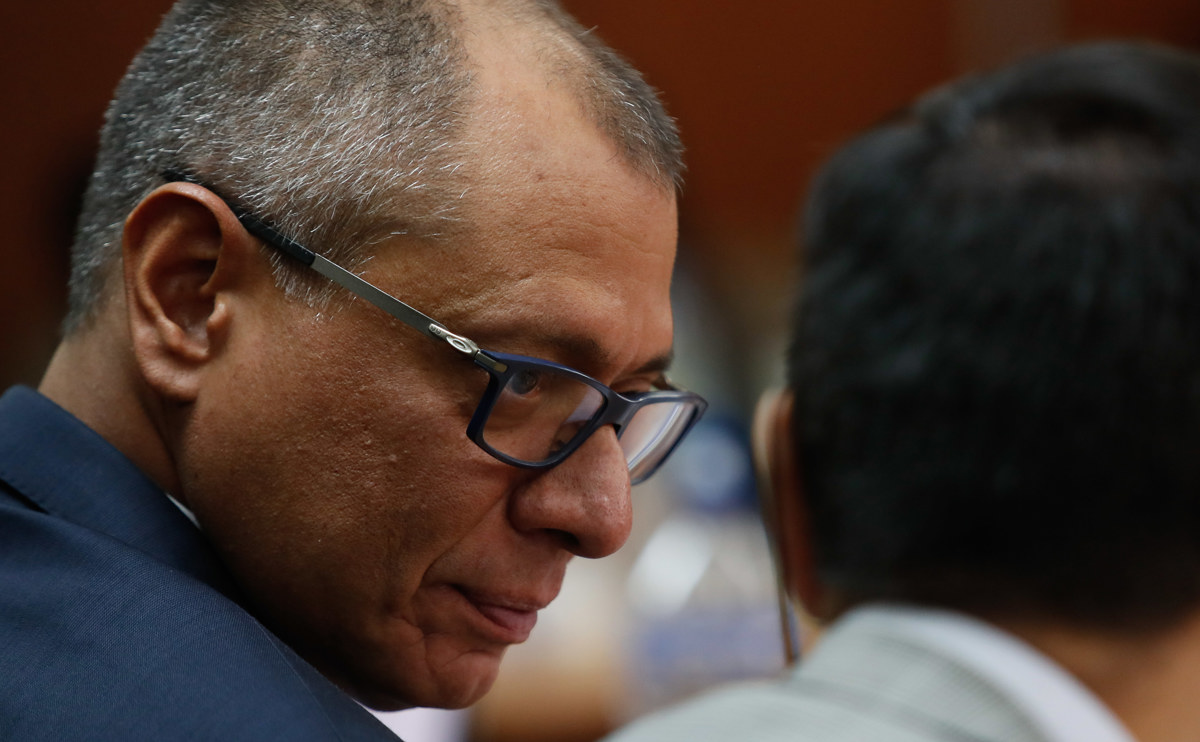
525,381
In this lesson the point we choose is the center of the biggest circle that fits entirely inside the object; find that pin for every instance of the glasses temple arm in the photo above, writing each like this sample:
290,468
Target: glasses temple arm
336,273
413,318
342,277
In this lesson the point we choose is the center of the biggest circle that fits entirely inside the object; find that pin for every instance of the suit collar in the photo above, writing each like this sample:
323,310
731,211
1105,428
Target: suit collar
64,468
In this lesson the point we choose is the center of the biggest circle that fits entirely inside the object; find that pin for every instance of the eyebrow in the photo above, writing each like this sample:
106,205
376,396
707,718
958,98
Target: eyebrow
580,349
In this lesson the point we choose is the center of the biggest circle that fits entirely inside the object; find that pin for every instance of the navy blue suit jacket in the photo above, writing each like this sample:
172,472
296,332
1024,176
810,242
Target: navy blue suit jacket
117,622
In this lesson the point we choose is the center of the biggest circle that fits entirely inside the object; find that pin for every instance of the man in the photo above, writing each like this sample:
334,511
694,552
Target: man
233,432
988,463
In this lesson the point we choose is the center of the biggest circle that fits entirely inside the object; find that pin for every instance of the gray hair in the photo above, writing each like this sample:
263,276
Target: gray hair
338,121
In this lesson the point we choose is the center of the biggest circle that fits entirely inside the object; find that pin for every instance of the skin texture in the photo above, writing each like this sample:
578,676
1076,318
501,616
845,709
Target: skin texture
324,453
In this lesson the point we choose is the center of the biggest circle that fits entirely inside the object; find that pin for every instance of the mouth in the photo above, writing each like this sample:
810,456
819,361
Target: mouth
505,620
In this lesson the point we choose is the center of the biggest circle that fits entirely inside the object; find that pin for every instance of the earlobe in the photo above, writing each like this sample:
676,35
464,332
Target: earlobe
182,248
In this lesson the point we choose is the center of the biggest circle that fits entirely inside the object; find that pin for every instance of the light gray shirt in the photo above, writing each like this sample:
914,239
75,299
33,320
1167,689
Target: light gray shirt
899,674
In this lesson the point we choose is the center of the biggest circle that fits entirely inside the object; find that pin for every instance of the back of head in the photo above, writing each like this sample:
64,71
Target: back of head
996,360
341,121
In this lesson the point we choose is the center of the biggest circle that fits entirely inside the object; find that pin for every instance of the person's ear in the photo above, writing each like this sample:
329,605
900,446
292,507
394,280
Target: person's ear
785,508
182,248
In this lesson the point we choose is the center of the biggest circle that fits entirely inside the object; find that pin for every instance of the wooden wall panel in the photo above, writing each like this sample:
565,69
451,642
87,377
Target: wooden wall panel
765,90
61,61
1170,21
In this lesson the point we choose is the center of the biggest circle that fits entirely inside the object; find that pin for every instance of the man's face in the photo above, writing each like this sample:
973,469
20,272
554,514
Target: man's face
328,460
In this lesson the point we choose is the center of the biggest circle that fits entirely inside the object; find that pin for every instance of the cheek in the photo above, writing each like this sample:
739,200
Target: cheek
300,477
331,529
333,490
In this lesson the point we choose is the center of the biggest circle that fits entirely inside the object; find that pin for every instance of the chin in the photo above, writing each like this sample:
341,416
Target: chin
448,689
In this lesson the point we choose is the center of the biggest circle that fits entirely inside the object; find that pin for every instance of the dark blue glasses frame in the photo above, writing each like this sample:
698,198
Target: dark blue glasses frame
616,409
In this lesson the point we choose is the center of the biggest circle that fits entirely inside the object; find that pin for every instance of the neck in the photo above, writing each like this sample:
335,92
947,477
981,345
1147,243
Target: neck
90,376
1148,681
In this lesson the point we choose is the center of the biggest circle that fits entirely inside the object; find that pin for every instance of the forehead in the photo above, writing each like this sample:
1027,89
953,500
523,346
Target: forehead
568,256
574,266
565,244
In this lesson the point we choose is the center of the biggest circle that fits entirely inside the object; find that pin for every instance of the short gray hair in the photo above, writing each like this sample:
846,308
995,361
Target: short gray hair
337,121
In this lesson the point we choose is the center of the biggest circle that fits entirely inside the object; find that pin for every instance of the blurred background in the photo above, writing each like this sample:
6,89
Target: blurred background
763,90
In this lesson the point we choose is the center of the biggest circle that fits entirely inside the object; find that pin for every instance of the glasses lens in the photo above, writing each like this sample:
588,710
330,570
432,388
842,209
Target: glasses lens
540,411
653,433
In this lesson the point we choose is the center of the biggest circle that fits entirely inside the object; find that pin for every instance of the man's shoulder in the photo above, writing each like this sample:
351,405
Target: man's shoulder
105,642
781,711
864,681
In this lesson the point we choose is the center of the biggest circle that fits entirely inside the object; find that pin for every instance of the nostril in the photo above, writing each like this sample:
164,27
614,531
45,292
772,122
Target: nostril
567,540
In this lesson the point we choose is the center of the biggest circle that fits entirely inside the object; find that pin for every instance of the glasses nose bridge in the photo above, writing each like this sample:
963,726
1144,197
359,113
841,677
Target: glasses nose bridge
617,413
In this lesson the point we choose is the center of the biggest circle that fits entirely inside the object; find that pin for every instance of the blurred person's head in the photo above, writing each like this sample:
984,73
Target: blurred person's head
490,164
995,364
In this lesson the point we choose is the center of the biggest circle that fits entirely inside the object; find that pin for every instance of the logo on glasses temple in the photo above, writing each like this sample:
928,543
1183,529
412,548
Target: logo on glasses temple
458,342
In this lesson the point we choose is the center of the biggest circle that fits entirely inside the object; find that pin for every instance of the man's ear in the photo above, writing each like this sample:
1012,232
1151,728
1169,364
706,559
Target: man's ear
183,248
785,507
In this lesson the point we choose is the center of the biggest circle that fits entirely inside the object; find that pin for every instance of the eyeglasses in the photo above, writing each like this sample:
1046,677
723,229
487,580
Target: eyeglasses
534,413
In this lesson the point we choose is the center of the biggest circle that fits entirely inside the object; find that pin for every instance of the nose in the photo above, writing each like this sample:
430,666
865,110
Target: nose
583,503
